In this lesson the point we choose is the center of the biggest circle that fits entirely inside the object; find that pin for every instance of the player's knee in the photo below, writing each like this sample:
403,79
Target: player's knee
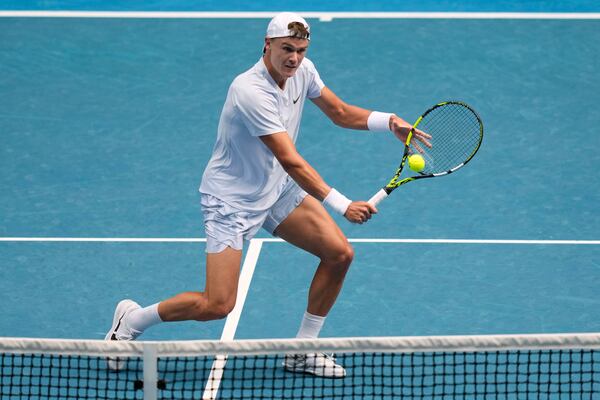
347,255
209,309
343,256
221,309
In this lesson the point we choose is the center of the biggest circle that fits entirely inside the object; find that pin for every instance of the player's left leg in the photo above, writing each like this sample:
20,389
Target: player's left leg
310,227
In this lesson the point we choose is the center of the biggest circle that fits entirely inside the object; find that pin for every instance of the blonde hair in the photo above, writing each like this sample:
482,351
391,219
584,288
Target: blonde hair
298,30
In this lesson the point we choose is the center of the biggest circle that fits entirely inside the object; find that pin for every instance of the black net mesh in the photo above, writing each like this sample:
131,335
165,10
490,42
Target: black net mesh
561,374
566,373
50,376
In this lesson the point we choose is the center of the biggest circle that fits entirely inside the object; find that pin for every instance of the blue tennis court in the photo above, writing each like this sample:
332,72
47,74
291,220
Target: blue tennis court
107,124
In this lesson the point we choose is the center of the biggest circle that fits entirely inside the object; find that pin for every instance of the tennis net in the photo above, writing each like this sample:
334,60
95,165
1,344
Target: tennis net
562,366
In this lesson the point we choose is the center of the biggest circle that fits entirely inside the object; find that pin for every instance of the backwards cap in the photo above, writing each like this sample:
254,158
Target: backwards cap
280,25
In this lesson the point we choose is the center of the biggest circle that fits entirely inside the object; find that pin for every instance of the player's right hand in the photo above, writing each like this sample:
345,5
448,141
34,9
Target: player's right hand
359,212
401,128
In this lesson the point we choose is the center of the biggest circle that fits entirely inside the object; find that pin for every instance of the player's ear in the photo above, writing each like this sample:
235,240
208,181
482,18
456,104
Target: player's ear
267,45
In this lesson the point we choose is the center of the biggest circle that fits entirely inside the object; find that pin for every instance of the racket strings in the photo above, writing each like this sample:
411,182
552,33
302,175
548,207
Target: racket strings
456,135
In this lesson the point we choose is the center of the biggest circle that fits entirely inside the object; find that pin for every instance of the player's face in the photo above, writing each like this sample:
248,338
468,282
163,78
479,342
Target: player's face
286,55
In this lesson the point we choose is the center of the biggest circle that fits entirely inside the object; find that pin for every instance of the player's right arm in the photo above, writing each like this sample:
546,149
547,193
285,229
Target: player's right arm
308,178
354,117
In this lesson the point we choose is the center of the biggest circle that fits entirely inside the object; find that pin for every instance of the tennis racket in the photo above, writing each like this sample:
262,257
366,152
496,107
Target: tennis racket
457,132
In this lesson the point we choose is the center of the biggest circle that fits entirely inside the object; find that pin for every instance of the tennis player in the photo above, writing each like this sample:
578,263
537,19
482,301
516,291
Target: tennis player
256,178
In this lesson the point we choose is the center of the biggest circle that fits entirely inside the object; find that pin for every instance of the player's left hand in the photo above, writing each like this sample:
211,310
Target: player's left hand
401,128
359,212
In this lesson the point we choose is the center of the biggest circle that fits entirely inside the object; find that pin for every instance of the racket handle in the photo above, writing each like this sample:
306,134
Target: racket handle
378,197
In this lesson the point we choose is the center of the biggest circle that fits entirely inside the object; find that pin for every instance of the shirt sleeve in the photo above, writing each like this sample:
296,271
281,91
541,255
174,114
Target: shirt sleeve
258,110
315,84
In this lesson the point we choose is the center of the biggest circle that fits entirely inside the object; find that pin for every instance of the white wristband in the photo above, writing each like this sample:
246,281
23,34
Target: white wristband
379,121
337,201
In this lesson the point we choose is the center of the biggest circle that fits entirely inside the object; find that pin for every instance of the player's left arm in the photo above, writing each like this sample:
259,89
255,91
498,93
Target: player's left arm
354,117
340,112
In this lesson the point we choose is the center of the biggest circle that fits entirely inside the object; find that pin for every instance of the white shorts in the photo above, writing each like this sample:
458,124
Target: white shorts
226,225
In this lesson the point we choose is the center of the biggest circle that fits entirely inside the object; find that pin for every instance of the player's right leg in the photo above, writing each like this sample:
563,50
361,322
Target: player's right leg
226,229
217,300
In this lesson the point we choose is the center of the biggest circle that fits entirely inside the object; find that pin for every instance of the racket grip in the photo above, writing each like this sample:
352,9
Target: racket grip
378,197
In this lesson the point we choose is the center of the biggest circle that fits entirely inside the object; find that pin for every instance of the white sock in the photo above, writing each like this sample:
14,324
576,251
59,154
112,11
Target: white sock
143,318
311,326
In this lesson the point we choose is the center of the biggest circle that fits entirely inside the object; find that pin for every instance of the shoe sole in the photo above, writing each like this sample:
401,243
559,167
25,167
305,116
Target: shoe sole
123,307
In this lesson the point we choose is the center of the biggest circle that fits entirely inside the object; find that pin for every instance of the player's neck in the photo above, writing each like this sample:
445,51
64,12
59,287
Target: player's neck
277,77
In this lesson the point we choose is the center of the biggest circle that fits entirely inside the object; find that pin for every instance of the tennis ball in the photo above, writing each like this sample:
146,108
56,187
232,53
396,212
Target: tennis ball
416,162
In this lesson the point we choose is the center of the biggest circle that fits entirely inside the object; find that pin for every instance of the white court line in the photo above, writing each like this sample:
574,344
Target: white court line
322,15
355,240
216,372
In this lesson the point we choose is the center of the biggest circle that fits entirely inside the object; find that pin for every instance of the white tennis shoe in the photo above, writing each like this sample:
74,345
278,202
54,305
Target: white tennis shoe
121,331
318,364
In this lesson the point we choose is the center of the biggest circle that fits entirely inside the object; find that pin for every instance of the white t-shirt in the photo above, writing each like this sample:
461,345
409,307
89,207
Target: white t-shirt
242,171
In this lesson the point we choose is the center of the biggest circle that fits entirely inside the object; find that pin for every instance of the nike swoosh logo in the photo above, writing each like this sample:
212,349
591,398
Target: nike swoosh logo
114,335
298,98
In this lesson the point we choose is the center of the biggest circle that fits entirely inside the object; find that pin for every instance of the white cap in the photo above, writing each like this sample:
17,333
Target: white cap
278,27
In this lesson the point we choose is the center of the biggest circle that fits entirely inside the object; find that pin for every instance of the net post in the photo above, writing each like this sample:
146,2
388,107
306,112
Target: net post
150,371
